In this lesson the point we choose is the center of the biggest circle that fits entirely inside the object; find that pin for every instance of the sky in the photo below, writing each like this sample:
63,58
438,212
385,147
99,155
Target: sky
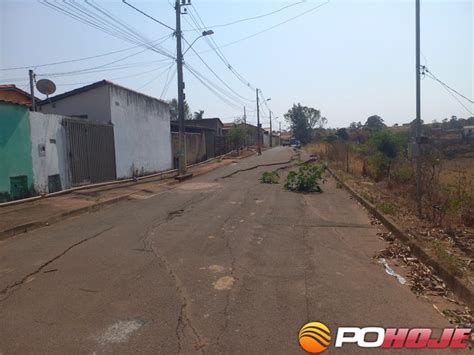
348,59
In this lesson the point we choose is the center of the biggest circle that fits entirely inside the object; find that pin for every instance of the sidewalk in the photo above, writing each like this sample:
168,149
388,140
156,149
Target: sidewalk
23,217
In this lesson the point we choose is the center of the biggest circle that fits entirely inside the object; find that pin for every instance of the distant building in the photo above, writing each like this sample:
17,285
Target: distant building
213,123
468,133
141,124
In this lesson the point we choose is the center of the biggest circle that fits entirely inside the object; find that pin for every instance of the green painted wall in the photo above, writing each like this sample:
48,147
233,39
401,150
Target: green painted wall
15,146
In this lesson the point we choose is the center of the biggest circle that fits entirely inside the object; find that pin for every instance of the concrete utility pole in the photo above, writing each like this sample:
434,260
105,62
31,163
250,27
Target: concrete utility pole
259,148
32,89
271,132
179,64
279,136
245,116
418,110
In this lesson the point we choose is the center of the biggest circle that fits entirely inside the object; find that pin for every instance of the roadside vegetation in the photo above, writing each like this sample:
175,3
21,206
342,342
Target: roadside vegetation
308,178
270,177
377,161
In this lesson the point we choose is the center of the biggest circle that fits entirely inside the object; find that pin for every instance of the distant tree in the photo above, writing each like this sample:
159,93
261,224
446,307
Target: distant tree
355,125
174,110
198,115
374,122
342,134
303,120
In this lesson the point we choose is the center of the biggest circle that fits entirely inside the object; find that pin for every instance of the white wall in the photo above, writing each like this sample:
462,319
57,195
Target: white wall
47,130
95,103
142,133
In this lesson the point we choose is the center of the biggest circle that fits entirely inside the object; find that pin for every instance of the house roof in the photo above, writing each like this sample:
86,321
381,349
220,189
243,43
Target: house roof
94,86
212,119
13,87
468,127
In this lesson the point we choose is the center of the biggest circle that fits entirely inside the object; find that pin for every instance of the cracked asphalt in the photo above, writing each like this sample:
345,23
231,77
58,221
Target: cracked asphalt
218,264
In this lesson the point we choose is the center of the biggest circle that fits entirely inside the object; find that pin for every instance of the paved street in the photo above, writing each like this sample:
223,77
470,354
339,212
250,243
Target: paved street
214,265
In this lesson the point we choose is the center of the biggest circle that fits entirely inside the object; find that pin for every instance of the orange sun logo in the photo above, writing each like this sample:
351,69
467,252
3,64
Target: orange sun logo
314,337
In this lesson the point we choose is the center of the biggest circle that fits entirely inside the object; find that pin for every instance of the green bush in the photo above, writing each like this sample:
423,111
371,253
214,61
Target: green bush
306,179
269,177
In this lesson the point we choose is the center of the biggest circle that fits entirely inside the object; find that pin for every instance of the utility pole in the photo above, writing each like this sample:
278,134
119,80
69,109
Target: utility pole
259,148
418,111
271,132
245,116
179,64
32,89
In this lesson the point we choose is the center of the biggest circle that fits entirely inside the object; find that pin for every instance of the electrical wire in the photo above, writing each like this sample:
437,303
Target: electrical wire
150,17
274,26
79,59
213,45
168,81
108,24
446,85
156,77
254,17
212,89
216,75
450,93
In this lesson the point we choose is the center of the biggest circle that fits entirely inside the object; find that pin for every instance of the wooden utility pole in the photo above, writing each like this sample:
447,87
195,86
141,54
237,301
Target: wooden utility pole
259,148
32,89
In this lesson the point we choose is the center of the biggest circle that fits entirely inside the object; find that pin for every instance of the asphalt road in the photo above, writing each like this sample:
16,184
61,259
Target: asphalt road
215,265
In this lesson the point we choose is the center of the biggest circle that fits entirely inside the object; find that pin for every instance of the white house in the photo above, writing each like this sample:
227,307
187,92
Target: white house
141,124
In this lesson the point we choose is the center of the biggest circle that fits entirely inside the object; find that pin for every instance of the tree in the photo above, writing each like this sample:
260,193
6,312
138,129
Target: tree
342,134
386,147
174,110
302,120
198,115
374,122
238,133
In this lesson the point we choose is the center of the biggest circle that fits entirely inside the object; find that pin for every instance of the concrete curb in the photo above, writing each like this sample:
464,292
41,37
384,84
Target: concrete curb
23,228
452,281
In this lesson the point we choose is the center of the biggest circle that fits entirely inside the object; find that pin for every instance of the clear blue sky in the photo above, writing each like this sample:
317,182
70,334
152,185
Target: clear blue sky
350,59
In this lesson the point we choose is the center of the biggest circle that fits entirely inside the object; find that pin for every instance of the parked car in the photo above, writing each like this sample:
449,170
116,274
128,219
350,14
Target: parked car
295,143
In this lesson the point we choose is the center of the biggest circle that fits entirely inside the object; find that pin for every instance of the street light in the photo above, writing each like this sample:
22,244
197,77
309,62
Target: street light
204,33
179,65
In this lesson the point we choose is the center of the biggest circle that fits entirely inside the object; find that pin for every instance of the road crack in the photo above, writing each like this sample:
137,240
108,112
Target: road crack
11,288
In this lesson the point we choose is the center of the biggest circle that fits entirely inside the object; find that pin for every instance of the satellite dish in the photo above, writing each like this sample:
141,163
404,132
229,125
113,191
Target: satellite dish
46,86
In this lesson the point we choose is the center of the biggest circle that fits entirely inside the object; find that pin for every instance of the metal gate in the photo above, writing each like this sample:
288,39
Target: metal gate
90,151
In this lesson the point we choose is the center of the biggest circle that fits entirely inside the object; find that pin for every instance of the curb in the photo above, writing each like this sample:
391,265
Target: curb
452,281
23,228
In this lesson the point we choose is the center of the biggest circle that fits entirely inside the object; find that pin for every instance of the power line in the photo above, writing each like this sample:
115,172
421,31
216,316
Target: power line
446,85
150,17
254,17
156,77
92,68
209,85
121,31
274,26
217,76
450,93
213,45
80,59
